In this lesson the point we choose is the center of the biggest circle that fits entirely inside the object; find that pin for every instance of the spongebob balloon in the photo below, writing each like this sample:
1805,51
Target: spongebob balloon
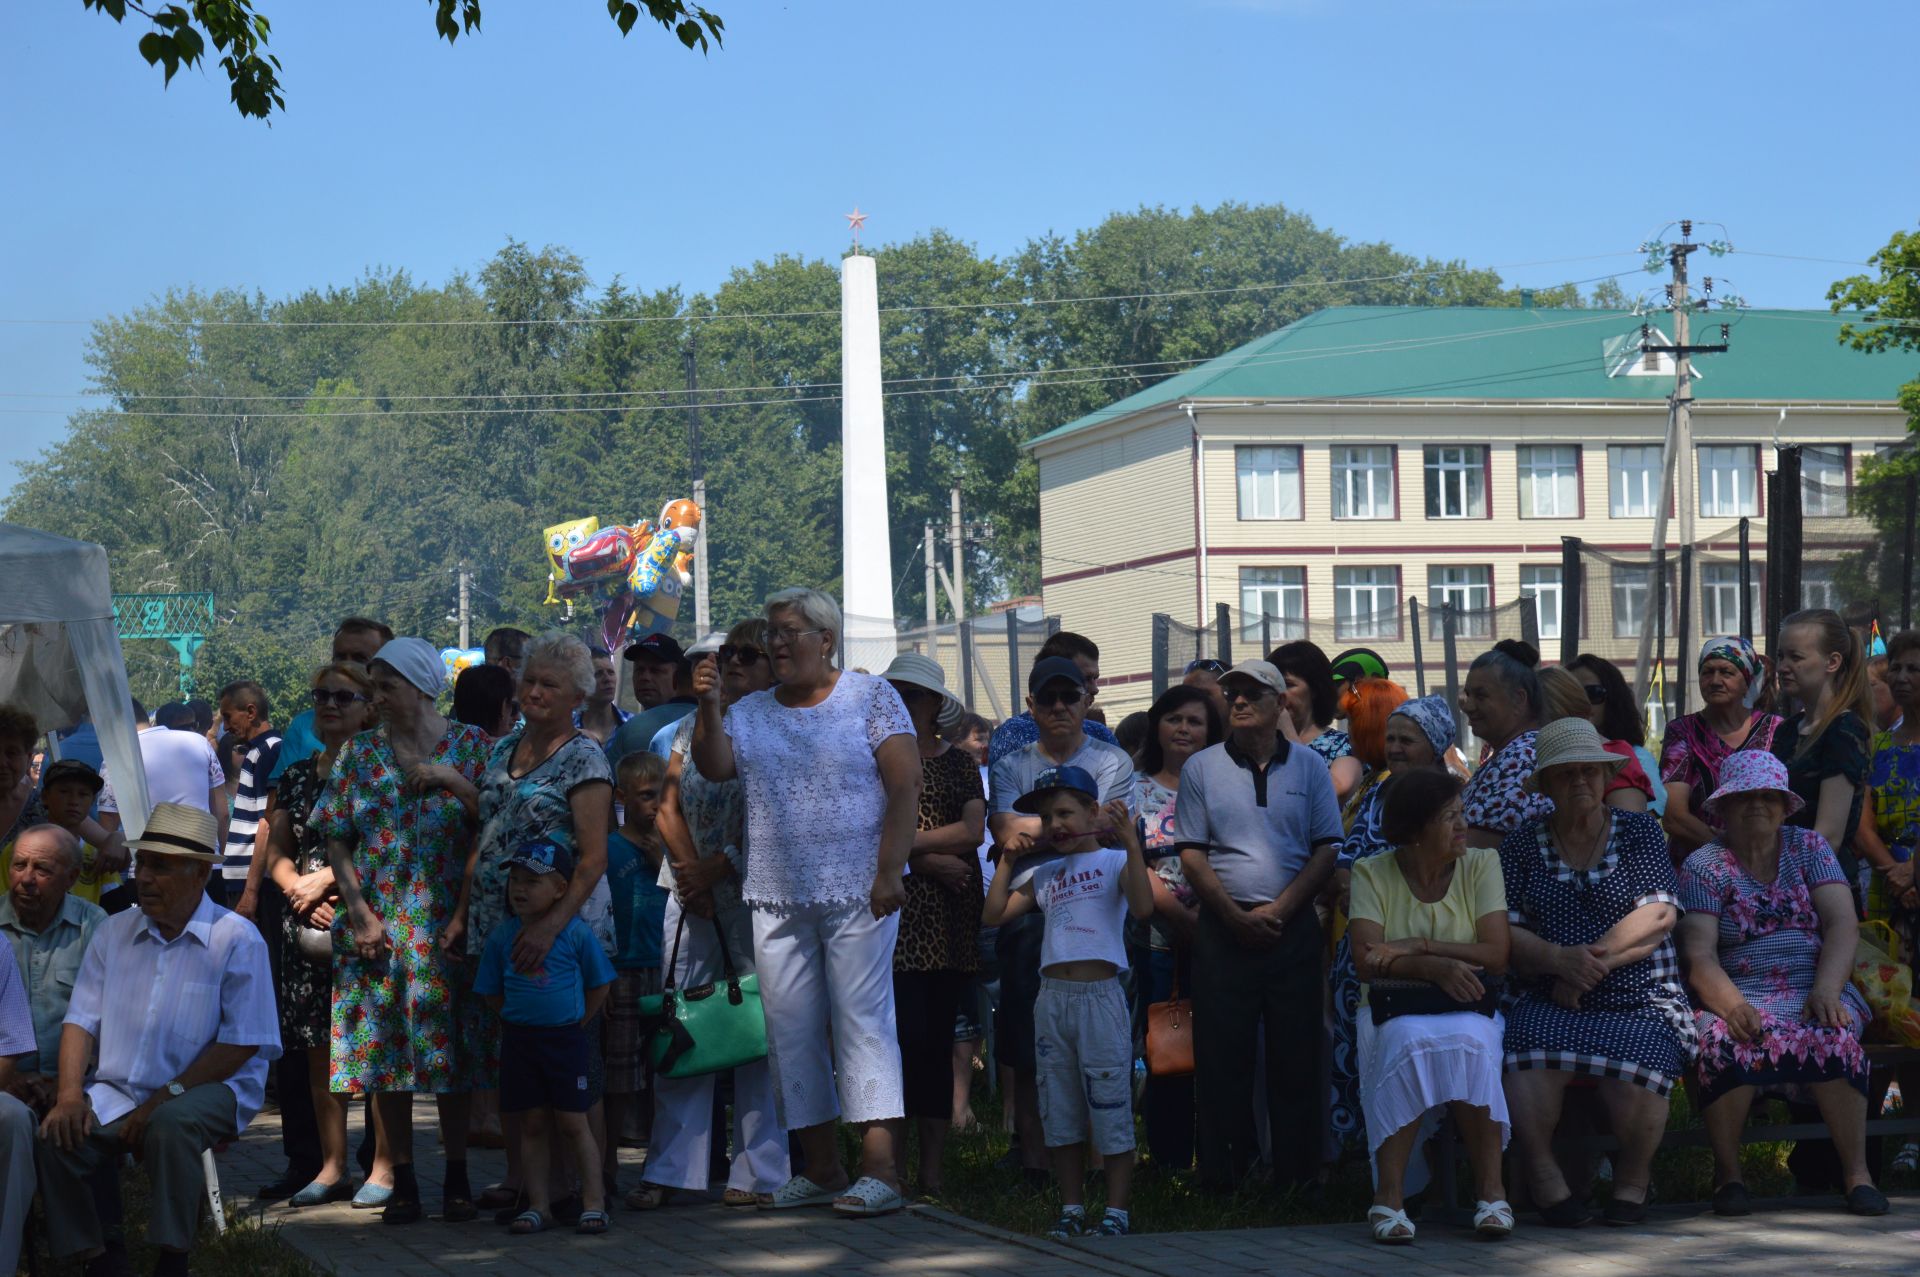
561,540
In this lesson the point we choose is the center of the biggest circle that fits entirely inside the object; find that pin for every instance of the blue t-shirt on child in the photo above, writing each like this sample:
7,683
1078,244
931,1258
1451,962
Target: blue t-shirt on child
639,904
554,995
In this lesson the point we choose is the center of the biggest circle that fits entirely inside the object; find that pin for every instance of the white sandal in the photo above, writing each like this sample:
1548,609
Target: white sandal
1390,1227
868,1196
1492,1219
801,1191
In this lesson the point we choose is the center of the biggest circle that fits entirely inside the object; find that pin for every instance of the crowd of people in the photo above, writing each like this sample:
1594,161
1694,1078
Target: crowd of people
481,892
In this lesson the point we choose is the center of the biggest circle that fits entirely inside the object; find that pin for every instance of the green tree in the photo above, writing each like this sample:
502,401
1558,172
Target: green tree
1887,306
178,35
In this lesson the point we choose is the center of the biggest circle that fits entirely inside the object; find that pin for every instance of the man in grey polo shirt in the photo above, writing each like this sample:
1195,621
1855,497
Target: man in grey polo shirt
1057,697
1257,826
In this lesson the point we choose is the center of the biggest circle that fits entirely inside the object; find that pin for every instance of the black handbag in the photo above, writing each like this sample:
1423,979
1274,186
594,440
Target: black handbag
1391,999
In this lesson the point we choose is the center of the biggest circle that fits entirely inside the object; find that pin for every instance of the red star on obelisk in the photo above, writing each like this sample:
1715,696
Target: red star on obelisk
856,220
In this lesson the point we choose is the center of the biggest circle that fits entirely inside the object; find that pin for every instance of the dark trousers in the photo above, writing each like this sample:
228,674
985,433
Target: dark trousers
924,1005
299,1127
1240,994
1166,1106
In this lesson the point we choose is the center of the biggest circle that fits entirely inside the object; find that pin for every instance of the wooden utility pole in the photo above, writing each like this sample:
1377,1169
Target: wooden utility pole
466,615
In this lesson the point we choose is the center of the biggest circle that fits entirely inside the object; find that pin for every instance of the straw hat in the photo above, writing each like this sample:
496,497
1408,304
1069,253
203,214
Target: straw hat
1569,740
1752,771
175,829
923,671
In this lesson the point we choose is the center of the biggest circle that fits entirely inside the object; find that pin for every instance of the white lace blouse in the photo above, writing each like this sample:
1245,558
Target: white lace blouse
815,803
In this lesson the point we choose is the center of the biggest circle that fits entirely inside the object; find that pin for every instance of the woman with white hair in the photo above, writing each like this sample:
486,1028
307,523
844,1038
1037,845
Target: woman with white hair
395,817
549,780
831,772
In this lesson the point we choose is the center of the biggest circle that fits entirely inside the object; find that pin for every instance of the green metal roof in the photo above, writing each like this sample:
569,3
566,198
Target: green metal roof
1441,353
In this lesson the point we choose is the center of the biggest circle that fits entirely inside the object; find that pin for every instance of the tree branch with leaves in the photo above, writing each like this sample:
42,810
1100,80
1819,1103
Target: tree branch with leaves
180,34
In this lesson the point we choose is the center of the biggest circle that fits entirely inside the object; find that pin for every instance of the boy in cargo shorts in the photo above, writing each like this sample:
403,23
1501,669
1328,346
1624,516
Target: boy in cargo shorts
1083,1033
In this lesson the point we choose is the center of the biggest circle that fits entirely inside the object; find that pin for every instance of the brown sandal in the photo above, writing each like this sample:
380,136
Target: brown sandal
741,1197
649,1197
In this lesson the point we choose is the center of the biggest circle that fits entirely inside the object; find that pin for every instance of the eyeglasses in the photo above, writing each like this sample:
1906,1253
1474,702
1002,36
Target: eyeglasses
1596,694
1047,698
334,696
785,636
745,653
1208,665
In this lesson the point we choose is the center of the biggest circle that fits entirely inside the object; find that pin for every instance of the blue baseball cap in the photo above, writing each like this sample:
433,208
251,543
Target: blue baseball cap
1055,667
1075,778
544,856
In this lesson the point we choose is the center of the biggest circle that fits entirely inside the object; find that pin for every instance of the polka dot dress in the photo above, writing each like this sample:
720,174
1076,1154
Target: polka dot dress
1635,1024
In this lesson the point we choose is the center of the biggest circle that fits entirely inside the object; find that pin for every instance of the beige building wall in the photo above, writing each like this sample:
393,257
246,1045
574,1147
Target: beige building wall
1118,521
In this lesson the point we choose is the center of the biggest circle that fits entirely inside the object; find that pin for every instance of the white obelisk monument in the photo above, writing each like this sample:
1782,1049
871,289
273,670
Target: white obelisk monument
866,552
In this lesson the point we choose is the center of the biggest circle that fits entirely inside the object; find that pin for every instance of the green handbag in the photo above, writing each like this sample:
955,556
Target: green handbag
707,1029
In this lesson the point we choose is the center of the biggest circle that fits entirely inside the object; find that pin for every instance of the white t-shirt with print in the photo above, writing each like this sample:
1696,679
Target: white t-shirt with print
1085,908
181,768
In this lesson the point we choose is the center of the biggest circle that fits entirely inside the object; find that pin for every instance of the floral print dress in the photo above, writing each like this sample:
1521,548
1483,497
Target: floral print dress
1362,842
1895,784
397,1020
1496,798
1769,946
306,987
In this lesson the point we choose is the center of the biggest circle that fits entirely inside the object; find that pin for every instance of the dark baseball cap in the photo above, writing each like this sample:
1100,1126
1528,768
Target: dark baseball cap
175,714
660,649
1077,779
544,856
71,769
1055,667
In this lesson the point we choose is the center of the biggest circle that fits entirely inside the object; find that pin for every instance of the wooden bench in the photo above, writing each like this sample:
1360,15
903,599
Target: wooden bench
1882,1059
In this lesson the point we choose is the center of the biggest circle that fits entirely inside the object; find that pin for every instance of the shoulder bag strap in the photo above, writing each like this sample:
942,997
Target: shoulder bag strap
673,963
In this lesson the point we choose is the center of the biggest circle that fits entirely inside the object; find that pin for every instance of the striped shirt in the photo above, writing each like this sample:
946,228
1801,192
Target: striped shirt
250,804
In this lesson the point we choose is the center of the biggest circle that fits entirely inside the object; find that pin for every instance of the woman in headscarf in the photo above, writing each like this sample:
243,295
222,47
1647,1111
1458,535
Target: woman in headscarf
1418,734
398,819
1732,678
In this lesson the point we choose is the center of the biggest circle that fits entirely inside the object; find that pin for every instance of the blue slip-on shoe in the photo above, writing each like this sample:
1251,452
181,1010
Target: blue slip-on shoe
319,1193
372,1196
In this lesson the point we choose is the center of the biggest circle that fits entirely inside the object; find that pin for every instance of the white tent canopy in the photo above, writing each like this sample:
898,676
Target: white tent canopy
60,651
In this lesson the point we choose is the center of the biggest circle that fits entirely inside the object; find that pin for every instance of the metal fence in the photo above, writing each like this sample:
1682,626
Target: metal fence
985,659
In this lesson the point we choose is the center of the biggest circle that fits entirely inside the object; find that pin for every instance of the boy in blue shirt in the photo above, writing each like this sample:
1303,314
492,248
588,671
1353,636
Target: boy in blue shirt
543,1051
634,853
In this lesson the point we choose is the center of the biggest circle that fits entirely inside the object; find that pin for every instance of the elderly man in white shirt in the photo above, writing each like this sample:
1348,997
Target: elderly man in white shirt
178,999
16,1119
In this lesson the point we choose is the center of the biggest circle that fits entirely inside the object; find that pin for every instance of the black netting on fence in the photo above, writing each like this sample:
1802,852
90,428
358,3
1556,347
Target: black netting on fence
985,660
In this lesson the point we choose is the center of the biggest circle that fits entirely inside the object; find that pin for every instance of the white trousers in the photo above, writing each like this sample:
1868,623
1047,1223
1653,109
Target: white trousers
17,1133
677,1155
826,980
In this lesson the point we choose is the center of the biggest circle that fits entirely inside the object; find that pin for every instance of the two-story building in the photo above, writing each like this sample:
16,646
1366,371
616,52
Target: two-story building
1326,473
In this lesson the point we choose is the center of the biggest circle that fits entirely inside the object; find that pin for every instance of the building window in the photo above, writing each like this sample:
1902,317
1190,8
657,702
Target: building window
1269,482
1727,478
1469,592
1633,601
1819,585
1543,585
1633,480
1823,481
1457,483
1366,603
1720,600
1279,593
1549,482
1363,483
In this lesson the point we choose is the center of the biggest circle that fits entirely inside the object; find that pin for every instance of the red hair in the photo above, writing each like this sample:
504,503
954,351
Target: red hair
1367,703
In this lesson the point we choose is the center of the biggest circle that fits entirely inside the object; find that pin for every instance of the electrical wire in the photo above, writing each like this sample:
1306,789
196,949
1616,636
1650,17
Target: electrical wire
693,316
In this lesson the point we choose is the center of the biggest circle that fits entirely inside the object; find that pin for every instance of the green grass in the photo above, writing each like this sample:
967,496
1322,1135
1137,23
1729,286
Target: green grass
249,1248
1165,1201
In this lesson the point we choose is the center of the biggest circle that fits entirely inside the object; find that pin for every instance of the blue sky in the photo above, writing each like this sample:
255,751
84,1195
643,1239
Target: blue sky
1494,130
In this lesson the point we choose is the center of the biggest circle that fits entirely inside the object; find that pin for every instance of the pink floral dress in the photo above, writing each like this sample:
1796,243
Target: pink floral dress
1770,947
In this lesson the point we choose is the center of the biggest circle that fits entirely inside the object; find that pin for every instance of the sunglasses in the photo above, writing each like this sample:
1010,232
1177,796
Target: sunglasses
1208,665
325,696
745,653
1596,694
1047,698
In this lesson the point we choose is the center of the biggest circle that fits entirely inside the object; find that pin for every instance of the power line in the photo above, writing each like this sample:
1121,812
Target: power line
994,382
698,317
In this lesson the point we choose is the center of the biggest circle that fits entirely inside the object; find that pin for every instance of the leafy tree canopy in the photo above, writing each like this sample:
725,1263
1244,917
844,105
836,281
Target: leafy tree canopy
178,36
345,450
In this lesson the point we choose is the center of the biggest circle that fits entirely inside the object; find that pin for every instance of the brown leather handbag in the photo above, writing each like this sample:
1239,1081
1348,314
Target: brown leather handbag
1170,1034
